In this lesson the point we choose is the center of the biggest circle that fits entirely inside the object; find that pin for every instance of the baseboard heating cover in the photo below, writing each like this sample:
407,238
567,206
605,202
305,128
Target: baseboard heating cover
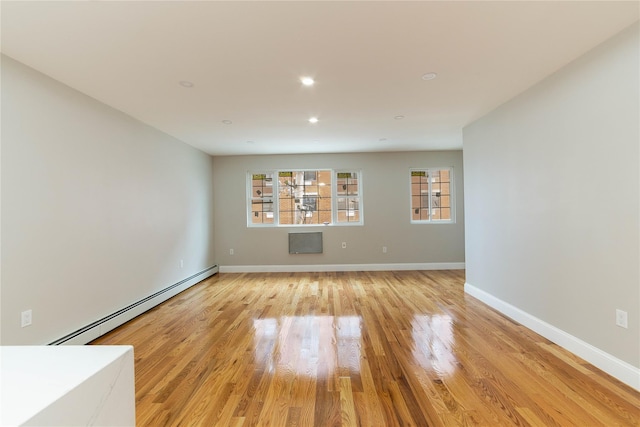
112,321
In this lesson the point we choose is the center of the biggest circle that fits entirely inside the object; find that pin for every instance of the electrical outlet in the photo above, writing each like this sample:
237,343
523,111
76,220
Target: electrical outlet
344,245
181,263
26,318
621,318
384,249
230,251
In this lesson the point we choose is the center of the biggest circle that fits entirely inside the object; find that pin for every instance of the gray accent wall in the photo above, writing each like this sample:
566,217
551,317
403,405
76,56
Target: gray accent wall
552,199
98,209
386,209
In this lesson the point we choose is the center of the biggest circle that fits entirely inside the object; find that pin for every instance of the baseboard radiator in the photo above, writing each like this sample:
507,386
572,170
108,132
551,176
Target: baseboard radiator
115,319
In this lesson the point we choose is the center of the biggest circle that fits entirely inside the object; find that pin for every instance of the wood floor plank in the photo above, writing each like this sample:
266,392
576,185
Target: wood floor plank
347,405
356,349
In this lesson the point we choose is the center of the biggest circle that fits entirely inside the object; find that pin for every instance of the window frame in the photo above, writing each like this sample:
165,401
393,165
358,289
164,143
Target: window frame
275,173
335,196
452,204
250,198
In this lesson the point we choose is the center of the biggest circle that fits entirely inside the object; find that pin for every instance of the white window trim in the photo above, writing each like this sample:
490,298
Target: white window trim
452,190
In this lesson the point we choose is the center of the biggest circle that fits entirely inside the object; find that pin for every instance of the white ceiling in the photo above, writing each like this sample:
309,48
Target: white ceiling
245,60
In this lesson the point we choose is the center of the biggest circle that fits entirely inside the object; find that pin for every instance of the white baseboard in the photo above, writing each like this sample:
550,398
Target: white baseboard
615,367
106,324
340,267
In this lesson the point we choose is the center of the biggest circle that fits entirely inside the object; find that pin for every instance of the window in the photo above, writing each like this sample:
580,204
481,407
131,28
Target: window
348,197
304,197
261,198
432,196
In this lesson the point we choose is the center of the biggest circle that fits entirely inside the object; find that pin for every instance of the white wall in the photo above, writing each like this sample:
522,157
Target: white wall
98,209
552,200
385,180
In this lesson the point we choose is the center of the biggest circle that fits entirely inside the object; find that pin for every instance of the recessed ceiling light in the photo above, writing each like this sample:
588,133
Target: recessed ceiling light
399,117
429,76
227,122
185,83
307,81
313,120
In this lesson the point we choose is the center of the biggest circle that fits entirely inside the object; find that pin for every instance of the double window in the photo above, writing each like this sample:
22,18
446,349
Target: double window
304,197
432,196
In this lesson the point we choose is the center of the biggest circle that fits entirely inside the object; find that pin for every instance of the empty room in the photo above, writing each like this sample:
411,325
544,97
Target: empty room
320,213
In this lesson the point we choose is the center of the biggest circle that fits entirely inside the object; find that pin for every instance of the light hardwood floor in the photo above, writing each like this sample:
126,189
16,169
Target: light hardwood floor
356,348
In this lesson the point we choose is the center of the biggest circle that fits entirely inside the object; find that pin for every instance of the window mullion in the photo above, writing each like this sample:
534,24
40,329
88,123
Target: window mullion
276,198
428,172
334,197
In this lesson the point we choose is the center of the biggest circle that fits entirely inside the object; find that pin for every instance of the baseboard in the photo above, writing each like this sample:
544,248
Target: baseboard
340,267
100,327
615,367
